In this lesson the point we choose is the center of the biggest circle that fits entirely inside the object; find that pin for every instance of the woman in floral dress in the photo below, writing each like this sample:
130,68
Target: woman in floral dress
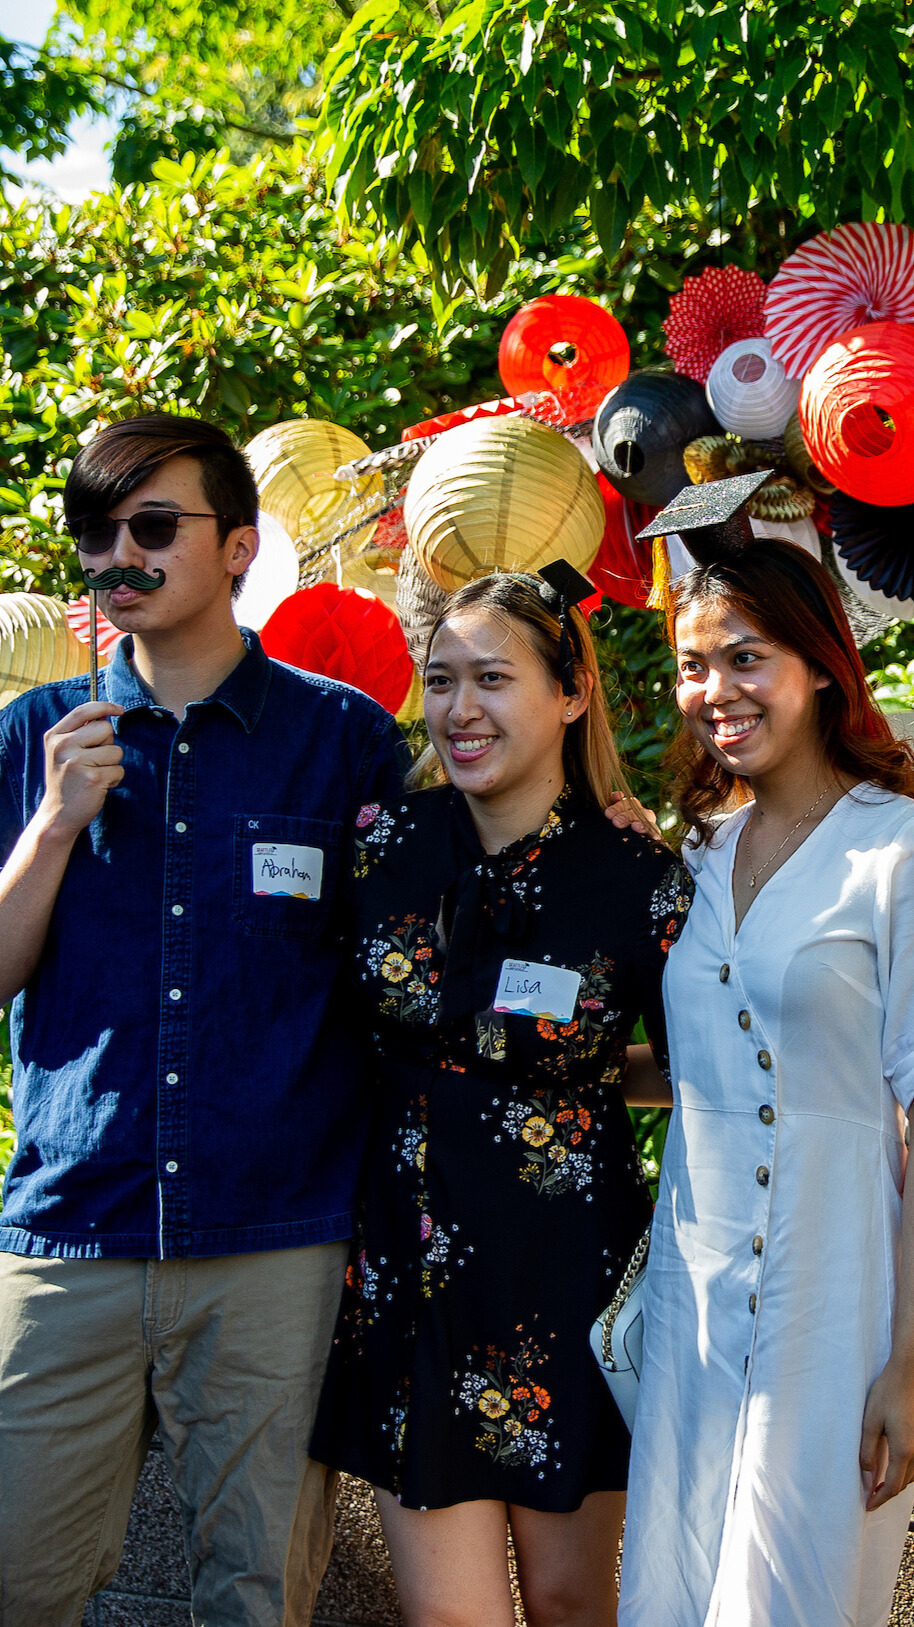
508,938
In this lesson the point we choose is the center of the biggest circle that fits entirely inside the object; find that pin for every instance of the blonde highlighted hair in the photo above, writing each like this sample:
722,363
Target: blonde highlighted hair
591,760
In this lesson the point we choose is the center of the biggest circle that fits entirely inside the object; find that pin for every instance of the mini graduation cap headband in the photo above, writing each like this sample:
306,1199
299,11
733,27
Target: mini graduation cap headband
714,526
560,586
712,521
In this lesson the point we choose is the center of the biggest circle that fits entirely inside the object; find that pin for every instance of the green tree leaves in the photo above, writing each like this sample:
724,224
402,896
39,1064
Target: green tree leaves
717,102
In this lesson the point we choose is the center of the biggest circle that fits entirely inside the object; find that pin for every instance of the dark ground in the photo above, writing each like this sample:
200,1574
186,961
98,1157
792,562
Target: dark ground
150,1588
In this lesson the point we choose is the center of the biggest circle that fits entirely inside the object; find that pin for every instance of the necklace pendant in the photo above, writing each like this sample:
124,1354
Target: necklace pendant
752,883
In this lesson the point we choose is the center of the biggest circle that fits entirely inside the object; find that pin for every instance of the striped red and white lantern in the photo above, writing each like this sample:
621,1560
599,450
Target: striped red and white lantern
859,273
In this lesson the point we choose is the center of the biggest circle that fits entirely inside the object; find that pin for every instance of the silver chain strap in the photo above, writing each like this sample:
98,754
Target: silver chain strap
621,1295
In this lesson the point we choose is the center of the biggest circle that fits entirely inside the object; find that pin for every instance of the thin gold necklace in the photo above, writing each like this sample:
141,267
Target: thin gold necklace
754,874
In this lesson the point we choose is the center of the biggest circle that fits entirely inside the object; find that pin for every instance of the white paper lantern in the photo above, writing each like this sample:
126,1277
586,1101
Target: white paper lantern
749,392
270,579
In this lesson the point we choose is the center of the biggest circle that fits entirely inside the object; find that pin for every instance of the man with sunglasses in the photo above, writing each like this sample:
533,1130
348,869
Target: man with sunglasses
188,1089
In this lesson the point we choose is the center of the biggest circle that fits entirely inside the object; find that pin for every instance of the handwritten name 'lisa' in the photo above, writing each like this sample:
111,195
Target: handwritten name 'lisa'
520,985
269,868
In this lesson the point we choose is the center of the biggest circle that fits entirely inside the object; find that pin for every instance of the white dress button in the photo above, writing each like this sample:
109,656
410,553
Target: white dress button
174,994
180,826
171,1167
184,748
177,909
171,1078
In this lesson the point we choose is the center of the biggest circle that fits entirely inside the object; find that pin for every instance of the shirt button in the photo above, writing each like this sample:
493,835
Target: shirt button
766,1114
724,972
184,748
744,1020
180,826
763,1175
753,1301
758,1243
174,994
177,909
171,1167
764,1060
171,1078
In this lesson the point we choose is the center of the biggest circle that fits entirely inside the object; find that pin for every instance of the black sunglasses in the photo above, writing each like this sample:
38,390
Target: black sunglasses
152,528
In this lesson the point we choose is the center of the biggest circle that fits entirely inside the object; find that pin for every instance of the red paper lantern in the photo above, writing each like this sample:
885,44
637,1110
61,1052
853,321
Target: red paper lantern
622,568
343,633
559,341
857,413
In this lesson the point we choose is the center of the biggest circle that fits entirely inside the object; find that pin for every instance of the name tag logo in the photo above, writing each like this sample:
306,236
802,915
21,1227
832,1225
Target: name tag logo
527,989
282,870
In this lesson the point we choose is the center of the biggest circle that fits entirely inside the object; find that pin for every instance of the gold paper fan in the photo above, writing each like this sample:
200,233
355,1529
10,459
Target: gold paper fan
782,499
706,459
294,464
801,462
37,645
502,494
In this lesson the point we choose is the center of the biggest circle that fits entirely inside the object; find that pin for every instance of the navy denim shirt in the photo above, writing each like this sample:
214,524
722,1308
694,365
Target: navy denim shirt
187,1078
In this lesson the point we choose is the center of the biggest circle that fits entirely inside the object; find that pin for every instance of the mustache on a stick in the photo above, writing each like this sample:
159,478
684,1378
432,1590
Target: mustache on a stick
130,577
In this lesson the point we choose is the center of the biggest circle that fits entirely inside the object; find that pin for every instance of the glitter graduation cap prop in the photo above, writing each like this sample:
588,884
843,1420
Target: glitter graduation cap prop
712,521
561,586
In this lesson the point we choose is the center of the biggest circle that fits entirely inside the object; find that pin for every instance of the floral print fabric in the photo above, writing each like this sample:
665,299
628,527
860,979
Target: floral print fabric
503,1194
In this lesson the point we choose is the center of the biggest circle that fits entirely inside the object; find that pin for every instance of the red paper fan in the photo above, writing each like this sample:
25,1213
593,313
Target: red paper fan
839,280
78,617
343,633
462,415
721,305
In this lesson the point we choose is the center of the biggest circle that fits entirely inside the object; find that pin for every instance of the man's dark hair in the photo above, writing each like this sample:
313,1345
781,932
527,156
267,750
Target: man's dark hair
124,454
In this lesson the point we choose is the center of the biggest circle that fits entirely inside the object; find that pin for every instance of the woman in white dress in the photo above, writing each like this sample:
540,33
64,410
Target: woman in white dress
773,1450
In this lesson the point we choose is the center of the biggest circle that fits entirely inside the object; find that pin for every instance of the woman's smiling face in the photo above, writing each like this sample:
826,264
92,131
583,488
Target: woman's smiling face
749,702
495,715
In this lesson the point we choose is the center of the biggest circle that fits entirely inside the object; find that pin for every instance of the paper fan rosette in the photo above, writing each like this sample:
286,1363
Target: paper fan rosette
77,614
721,305
860,273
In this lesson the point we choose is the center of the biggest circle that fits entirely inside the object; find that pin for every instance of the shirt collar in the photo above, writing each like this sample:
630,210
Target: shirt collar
242,693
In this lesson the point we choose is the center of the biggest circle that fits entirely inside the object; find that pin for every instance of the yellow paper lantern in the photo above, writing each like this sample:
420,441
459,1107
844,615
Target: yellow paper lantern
501,494
375,570
37,645
412,707
294,464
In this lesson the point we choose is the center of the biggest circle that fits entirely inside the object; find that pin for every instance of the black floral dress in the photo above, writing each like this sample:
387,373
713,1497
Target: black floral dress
503,1193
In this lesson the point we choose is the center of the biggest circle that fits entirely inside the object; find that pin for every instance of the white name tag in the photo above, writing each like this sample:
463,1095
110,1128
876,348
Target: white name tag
530,990
284,871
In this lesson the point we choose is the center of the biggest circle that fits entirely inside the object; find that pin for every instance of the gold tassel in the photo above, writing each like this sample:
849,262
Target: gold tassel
659,596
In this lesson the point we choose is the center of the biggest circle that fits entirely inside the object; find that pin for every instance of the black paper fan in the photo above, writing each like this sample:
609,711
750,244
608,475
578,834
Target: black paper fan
876,542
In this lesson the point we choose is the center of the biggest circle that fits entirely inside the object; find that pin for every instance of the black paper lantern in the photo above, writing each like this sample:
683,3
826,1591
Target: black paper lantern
641,429
877,543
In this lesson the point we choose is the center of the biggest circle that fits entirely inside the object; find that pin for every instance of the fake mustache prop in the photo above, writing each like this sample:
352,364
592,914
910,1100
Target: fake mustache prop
130,577
102,582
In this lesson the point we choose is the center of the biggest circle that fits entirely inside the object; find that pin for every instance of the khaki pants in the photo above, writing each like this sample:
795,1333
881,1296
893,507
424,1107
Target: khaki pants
227,1356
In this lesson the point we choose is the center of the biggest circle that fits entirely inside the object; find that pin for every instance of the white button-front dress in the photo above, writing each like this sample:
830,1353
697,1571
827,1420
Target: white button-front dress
774,1252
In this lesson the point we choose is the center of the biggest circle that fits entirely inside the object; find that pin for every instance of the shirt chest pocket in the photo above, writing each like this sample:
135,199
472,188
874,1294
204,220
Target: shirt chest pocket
285,874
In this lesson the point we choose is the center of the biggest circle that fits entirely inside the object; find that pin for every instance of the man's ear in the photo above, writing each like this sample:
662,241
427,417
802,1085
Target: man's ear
241,547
